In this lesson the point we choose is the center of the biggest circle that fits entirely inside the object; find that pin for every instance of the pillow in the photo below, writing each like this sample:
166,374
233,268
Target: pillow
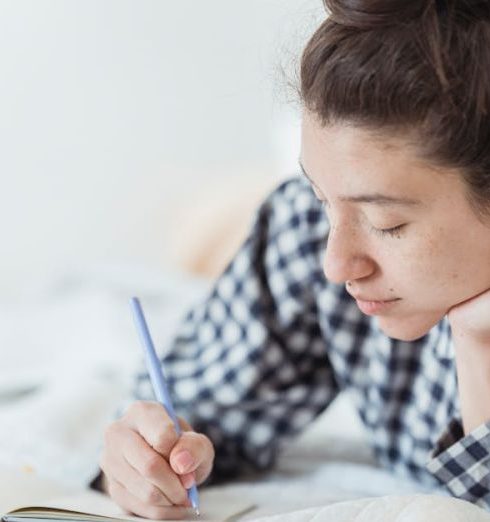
391,508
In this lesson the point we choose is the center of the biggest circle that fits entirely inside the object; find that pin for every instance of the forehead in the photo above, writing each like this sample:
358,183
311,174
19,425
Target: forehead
347,158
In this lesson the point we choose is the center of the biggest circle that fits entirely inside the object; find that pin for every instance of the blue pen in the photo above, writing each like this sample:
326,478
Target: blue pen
158,380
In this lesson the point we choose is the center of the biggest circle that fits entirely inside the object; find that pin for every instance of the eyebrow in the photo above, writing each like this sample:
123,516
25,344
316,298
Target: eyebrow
375,197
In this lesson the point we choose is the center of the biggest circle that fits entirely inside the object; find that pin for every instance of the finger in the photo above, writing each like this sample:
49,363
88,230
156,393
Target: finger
152,422
140,456
185,425
153,467
193,452
135,506
115,466
188,480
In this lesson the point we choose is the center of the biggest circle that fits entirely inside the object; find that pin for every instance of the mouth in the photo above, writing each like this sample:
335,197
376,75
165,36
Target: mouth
375,307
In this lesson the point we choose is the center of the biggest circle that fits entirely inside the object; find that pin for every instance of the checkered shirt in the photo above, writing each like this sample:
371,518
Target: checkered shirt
274,342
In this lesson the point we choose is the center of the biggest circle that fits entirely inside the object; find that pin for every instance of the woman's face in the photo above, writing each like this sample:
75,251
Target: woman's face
403,237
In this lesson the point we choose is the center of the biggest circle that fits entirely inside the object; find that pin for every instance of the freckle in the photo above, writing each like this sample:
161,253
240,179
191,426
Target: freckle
391,290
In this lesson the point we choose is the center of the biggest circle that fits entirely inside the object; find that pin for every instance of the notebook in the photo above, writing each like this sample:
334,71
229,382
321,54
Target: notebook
90,506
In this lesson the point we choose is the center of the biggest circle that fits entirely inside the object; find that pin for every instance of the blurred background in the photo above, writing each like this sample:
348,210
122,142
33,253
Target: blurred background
137,138
120,117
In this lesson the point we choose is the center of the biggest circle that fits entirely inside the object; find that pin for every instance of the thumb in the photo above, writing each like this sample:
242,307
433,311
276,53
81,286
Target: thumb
193,452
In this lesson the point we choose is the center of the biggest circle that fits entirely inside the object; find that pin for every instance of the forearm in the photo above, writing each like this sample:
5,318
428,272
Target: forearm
460,458
473,370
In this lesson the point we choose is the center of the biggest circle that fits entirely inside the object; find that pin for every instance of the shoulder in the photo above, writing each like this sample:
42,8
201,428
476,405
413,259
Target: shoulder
291,239
293,214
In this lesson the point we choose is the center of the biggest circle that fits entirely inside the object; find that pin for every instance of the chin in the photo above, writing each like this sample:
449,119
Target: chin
409,328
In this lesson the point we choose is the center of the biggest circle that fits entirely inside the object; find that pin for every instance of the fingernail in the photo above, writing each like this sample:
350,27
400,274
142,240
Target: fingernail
188,481
183,461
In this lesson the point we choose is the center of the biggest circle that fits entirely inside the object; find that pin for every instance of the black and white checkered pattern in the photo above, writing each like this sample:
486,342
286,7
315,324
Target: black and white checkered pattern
275,342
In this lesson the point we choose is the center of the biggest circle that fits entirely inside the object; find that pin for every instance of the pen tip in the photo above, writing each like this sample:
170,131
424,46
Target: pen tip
198,513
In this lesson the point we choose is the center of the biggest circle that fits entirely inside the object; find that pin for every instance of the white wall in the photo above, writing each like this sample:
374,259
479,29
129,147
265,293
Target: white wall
113,110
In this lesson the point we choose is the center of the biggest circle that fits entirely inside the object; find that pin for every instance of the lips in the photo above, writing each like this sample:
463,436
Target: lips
375,307
359,297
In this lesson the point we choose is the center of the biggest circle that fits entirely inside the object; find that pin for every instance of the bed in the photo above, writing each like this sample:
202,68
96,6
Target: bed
68,358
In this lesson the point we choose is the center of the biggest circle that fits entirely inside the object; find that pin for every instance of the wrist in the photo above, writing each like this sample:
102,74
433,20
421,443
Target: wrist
467,341
472,357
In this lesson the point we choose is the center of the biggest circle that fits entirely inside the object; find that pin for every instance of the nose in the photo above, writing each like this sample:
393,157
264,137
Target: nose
345,258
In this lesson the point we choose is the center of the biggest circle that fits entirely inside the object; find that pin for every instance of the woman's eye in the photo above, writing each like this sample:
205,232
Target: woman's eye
393,231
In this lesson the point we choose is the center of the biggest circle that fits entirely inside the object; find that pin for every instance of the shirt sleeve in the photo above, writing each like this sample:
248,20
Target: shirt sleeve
462,463
249,366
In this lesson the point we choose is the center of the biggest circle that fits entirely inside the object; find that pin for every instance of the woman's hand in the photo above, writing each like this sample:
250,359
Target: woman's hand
147,467
470,327
470,320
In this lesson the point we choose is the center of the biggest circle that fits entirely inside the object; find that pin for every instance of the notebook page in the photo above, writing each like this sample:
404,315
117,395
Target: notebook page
215,506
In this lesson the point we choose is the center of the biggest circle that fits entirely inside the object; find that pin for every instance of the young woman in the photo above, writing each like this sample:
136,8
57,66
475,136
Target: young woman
371,272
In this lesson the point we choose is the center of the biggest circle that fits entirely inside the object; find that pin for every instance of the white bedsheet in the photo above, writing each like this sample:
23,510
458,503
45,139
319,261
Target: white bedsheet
67,359
393,508
68,355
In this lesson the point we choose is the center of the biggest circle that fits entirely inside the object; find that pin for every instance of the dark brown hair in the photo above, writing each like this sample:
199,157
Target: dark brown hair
416,67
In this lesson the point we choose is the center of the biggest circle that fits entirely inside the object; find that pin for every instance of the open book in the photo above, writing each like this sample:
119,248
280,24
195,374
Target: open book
91,506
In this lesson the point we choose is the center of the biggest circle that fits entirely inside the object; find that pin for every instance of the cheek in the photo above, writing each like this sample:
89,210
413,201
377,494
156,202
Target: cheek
431,271
419,267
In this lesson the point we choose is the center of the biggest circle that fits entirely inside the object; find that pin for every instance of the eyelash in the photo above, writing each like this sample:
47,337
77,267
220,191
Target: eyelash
393,232
383,232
